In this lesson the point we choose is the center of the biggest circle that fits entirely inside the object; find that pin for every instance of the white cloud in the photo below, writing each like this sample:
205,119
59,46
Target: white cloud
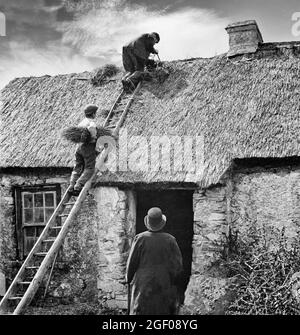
100,31
189,32
25,61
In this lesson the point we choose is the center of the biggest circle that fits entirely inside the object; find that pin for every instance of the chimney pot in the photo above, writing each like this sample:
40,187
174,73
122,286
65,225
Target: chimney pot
244,37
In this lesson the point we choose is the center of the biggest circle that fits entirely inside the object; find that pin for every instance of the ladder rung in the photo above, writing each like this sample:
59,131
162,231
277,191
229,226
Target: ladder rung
69,203
15,298
56,227
40,254
61,215
49,240
24,282
32,267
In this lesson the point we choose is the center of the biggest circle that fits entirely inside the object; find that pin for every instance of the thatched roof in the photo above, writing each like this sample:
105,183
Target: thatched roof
243,107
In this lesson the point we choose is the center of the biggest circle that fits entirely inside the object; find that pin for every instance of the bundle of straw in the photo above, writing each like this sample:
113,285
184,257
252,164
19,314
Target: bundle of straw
108,71
77,134
82,135
102,131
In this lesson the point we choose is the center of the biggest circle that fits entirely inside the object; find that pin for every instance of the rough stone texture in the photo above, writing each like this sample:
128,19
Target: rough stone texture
117,213
7,228
244,38
2,284
75,275
75,272
9,264
92,261
266,202
206,290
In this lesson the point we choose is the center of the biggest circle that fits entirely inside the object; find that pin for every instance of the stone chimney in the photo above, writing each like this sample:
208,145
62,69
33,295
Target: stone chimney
244,38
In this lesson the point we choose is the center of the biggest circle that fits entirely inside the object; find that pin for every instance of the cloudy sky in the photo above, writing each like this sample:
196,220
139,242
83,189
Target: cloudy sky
63,36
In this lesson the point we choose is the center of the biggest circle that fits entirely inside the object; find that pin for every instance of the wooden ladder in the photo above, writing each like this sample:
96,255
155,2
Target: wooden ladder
43,254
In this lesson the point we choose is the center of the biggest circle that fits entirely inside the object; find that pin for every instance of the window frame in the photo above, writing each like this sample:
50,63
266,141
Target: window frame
20,225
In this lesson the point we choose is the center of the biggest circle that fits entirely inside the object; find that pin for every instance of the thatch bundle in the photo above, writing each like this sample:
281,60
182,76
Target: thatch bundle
104,73
102,131
82,135
77,134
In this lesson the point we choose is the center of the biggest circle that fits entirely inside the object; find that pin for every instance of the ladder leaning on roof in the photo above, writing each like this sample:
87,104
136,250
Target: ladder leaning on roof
40,258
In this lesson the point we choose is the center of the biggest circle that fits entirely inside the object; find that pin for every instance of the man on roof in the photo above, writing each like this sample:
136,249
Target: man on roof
136,55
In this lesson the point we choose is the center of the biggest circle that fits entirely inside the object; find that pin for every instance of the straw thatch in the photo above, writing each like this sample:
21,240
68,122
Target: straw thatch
82,135
244,108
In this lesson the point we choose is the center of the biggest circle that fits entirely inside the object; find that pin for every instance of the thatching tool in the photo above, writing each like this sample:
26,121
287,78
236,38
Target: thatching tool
160,63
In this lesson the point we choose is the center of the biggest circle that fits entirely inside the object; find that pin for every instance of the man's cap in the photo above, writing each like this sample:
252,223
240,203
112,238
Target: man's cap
156,35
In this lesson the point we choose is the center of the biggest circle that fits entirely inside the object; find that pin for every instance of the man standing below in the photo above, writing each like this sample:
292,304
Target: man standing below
135,55
154,268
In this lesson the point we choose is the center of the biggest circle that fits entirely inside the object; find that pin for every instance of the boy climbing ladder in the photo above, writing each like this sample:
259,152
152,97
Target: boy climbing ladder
85,155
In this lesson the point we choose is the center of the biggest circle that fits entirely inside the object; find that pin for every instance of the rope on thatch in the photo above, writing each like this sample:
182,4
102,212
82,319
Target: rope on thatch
102,74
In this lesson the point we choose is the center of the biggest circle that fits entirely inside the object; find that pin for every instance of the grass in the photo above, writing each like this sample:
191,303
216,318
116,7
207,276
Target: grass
263,277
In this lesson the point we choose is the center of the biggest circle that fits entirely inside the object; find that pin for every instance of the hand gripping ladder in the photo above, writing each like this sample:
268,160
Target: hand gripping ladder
43,254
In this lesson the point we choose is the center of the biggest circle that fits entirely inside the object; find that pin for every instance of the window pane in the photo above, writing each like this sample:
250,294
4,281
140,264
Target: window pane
28,215
49,212
38,200
39,215
28,244
49,199
29,231
39,231
27,201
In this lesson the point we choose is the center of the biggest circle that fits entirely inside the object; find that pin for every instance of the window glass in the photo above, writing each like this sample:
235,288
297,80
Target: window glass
39,215
28,215
49,199
28,200
38,200
36,210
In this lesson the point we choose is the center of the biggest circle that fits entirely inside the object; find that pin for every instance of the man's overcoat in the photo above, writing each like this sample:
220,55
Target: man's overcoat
153,268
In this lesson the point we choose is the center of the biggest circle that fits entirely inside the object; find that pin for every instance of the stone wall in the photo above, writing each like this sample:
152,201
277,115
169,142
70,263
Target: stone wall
264,202
92,261
117,216
8,249
75,272
7,228
207,289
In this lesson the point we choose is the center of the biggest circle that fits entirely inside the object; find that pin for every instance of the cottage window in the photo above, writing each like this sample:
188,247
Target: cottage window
35,206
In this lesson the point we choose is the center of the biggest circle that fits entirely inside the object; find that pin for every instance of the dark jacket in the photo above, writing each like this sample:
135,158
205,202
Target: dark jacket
142,46
153,267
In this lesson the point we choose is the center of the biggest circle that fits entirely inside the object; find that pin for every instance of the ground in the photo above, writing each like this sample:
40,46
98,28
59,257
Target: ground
72,309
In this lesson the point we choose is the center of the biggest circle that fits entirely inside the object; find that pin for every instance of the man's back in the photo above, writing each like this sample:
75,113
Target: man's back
91,126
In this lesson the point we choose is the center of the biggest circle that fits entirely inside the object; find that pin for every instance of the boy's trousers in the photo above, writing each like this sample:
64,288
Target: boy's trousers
85,160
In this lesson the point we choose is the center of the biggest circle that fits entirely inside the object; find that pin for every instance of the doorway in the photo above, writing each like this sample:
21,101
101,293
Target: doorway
177,205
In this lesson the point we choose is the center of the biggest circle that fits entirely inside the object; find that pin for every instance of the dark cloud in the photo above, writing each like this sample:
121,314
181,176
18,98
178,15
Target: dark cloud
33,45
63,14
50,3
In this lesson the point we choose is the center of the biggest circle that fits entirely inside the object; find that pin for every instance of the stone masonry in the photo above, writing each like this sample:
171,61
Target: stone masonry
207,287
